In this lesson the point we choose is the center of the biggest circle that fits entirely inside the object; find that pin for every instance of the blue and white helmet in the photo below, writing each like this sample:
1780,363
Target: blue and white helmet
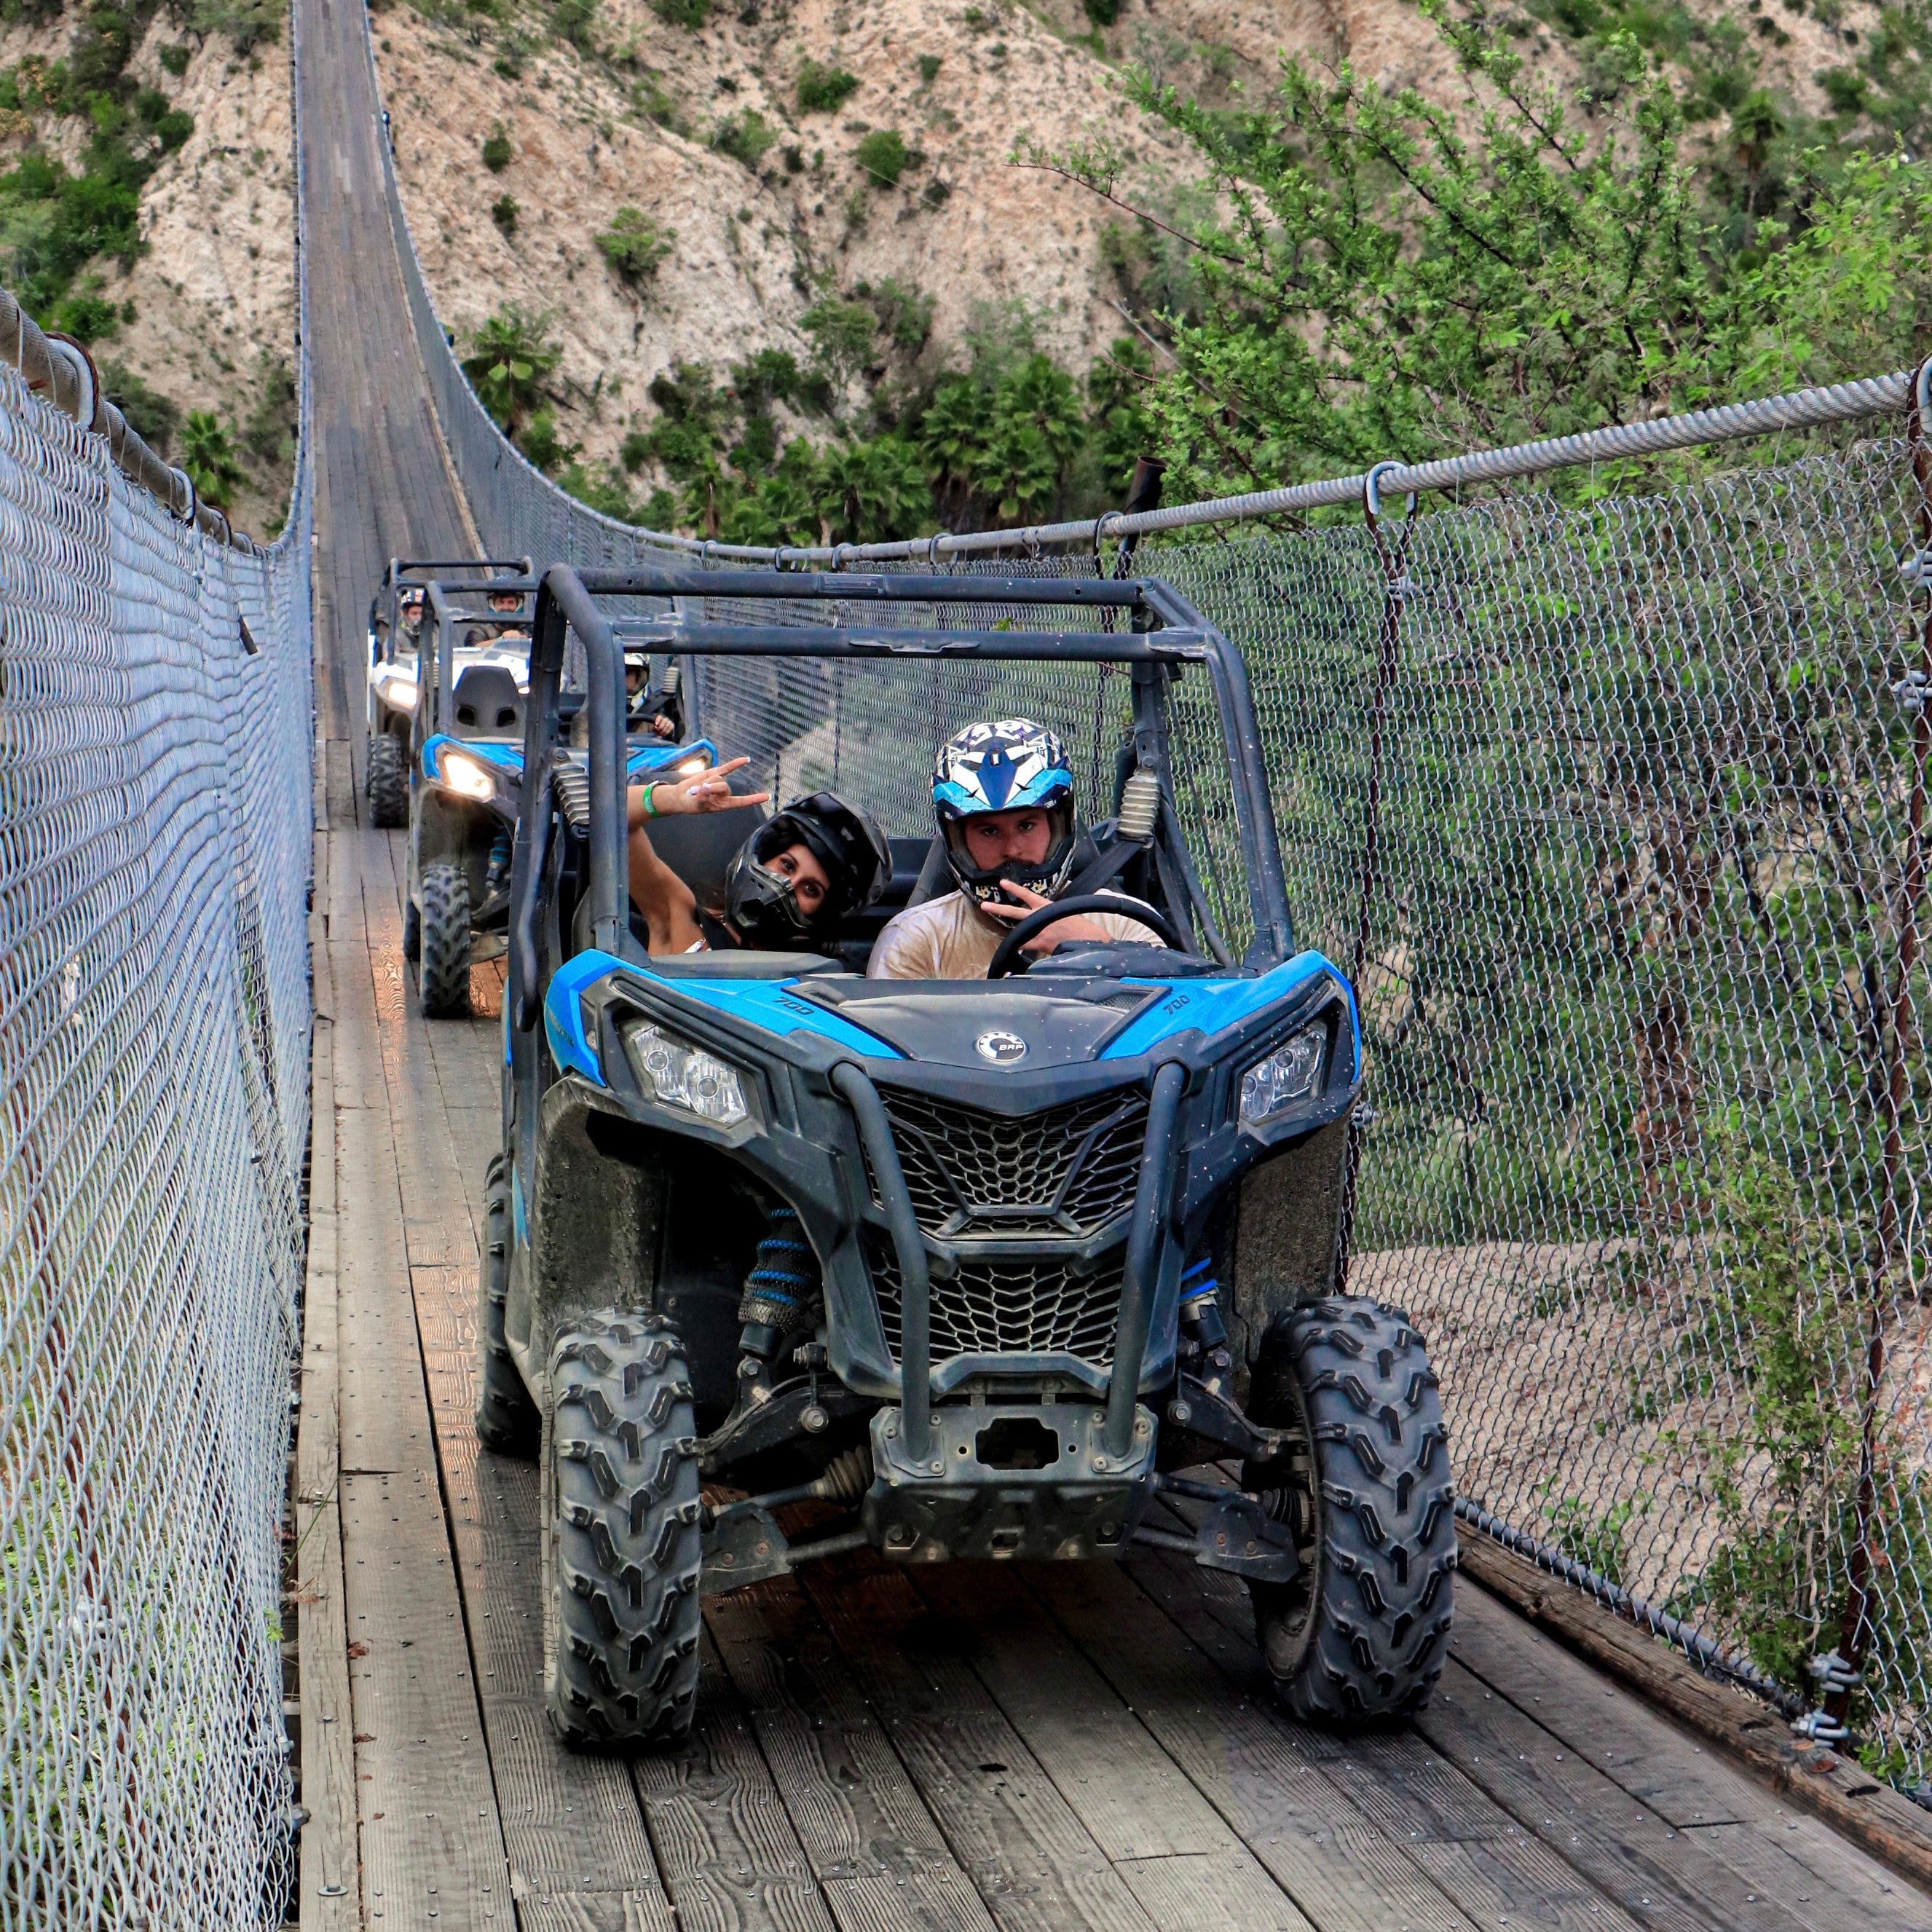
1007,767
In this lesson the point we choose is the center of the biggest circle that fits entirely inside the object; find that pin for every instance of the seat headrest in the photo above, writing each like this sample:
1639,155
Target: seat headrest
487,704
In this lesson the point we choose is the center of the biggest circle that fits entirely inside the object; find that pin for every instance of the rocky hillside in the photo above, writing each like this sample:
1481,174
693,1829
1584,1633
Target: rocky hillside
654,183
146,185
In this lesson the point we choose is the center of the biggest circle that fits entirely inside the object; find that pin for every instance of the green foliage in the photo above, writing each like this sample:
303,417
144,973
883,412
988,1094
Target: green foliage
770,376
884,155
208,455
874,492
1374,272
692,13
87,317
634,245
745,136
539,441
929,69
152,416
575,22
503,211
905,314
53,223
174,60
605,492
496,152
842,333
512,356
1103,12
1598,1543
246,24
824,90
1122,430
268,435
1783,1306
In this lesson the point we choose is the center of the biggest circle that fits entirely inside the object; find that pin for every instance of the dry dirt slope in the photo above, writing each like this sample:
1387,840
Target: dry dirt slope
214,291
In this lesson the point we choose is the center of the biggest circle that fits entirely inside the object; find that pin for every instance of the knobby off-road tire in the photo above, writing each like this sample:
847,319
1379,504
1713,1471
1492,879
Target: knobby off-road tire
443,969
621,1519
412,931
1358,1639
388,782
507,1420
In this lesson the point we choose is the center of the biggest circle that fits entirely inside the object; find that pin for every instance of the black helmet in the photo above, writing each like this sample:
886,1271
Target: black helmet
761,904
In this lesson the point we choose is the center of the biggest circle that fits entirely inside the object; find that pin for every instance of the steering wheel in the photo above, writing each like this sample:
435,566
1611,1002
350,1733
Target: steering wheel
1006,955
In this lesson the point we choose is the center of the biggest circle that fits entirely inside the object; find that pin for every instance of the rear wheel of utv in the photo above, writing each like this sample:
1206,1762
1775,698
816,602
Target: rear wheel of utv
623,1549
444,966
1358,1638
507,1420
388,782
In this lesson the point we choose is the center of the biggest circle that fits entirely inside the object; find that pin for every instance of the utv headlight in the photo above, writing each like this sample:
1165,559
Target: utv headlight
465,776
681,1075
1271,1086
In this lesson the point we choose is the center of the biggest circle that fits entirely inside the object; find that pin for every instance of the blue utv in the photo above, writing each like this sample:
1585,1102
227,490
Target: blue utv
1059,1235
467,776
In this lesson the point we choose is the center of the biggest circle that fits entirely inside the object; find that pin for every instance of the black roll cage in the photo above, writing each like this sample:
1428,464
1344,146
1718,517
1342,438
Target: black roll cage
513,573
444,615
1164,630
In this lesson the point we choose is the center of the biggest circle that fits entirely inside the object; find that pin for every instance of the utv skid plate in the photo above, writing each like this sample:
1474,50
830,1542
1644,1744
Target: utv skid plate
1029,1482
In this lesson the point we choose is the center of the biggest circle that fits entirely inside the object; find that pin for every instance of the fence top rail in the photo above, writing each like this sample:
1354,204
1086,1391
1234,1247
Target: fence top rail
1801,408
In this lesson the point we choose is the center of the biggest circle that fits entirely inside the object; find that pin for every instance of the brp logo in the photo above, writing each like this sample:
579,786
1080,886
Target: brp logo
1002,1049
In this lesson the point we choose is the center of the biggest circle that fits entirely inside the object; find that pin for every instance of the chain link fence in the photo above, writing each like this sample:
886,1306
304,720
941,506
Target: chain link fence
1615,810
155,812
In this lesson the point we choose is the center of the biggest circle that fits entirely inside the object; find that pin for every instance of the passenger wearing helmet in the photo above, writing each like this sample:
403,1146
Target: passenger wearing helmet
644,707
1003,793
803,870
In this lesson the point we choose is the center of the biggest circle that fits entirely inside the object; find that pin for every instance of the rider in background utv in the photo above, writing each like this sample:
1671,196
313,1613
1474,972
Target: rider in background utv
1003,793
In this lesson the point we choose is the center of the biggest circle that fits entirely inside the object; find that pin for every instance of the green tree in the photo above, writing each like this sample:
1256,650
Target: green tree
953,435
745,135
874,492
208,455
634,245
884,155
512,356
244,22
843,334
822,89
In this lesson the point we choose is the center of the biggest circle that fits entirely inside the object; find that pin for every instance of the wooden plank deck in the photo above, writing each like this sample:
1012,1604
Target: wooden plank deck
980,1747
878,1750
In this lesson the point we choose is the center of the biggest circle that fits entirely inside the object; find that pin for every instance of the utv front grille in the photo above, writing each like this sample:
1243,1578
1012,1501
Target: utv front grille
1066,1170
1036,1305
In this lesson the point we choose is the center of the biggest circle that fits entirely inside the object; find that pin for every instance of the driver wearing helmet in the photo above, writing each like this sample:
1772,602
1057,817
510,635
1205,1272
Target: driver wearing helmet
1003,793
803,870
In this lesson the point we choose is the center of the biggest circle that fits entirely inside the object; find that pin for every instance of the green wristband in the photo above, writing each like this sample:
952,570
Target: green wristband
650,810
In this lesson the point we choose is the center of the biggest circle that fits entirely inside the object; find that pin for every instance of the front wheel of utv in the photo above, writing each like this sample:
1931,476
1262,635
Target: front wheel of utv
388,782
623,1544
1358,1639
443,930
507,1420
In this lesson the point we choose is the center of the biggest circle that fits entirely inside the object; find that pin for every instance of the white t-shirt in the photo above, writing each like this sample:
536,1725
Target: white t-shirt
950,938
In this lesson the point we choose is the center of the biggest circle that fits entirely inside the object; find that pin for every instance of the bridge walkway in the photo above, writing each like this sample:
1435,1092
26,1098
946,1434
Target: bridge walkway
1028,1749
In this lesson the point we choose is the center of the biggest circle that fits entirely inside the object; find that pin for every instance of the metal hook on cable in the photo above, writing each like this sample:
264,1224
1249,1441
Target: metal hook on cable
932,551
839,556
1371,491
1100,523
